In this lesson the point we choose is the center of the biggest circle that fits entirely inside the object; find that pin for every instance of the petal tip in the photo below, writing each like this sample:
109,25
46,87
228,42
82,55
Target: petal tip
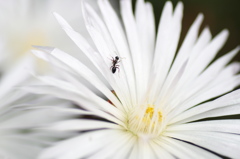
180,4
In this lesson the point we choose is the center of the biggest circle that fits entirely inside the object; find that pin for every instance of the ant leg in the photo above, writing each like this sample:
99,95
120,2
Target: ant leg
120,58
118,61
112,59
118,69
118,72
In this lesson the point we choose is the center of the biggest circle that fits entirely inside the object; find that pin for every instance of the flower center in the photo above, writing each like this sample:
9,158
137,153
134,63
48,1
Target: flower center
146,120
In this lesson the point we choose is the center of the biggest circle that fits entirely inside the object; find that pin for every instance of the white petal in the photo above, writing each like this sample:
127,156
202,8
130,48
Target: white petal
125,150
118,36
19,119
145,150
201,43
207,55
160,151
214,69
182,150
82,70
80,146
135,47
166,45
190,150
216,142
206,94
80,125
184,51
229,126
105,45
224,101
116,30
86,48
74,96
134,153
20,72
16,148
98,61
146,32
110,150
209,80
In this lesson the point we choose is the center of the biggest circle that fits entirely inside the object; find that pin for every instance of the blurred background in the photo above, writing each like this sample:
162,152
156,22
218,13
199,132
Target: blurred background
218,15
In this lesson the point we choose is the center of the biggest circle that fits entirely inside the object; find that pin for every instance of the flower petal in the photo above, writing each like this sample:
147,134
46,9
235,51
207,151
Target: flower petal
230,99
227,126
83,145
80,125
118,36
218,142
182,57
190,150
166,45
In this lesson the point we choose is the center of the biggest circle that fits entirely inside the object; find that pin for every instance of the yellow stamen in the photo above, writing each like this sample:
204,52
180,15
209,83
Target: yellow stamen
146,120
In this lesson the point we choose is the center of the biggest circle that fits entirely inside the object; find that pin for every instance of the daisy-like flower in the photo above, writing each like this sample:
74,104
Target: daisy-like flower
161,101
18,118
30,22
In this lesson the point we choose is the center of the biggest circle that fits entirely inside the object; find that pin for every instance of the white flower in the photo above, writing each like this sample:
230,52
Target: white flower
25,23
160,104
18,116
30,22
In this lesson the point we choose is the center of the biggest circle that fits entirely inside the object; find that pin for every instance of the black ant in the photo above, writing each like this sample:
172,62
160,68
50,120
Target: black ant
114,66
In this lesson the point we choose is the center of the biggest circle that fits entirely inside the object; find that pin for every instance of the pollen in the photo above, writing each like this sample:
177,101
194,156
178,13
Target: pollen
146,120
149,114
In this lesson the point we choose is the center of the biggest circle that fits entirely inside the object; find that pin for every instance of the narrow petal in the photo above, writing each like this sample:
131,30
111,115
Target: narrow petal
19,72
74,96
224,101
86,73
166,45
227,126
184,51
117,32
207,55
160,150
135,46
188,149
80,146
212,141
98,61
146,32
110,150
81,125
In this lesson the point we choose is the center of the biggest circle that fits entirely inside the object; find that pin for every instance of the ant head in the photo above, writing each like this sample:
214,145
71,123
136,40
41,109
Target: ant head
117,58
